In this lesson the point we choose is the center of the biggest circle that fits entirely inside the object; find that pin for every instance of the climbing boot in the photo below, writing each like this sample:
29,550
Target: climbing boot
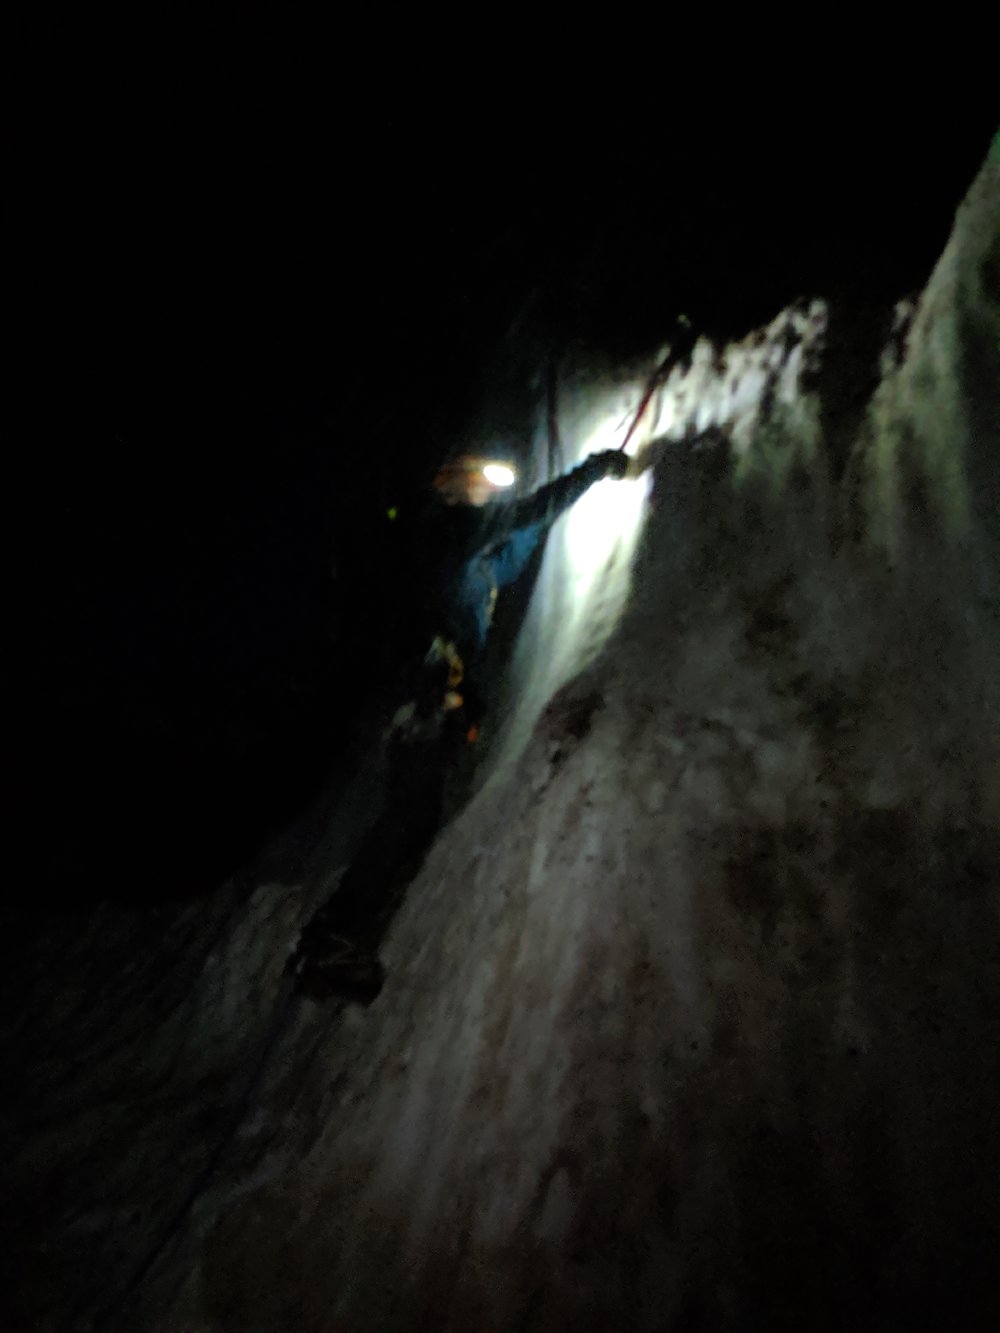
339,969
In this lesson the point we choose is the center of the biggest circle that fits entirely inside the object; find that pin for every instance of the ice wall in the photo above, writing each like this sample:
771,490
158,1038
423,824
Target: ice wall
693,1013
584,583
692,1016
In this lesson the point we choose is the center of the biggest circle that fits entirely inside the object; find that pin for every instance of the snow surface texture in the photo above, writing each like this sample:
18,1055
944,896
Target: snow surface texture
693,1013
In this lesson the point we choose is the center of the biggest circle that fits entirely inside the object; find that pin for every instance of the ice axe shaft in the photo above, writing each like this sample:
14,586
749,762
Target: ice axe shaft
679,349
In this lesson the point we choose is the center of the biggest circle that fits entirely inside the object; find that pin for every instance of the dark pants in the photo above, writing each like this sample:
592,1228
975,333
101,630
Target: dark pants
391,852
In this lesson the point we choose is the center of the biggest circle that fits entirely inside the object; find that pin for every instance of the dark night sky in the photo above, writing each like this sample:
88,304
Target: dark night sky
246,340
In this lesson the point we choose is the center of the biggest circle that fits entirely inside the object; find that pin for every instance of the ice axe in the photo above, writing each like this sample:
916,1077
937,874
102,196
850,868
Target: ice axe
680,348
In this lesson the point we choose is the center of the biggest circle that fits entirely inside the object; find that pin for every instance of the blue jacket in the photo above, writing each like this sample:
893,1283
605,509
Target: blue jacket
496,545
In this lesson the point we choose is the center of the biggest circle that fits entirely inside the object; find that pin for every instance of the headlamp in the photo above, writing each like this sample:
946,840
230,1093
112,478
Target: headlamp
499,474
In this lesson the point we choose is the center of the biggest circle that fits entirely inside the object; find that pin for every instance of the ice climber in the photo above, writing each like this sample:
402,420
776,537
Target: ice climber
472,553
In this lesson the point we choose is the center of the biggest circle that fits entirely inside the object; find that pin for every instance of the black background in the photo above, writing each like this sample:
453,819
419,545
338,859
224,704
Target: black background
251,326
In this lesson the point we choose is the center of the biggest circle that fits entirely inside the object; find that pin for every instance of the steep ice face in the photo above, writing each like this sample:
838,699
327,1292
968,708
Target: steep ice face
673,1008
701,975
584,582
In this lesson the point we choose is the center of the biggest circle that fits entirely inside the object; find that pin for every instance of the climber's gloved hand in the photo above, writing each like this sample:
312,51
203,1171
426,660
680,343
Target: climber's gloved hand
611,463
643,459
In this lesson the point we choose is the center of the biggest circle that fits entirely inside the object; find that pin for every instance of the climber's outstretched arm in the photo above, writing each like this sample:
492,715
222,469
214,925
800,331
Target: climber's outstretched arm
545,505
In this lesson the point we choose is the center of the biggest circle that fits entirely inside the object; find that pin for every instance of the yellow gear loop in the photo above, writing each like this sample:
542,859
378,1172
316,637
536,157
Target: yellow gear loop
444,650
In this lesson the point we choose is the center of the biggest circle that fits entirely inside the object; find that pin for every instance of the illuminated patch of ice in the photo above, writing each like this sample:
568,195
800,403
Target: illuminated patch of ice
584,582
609,515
